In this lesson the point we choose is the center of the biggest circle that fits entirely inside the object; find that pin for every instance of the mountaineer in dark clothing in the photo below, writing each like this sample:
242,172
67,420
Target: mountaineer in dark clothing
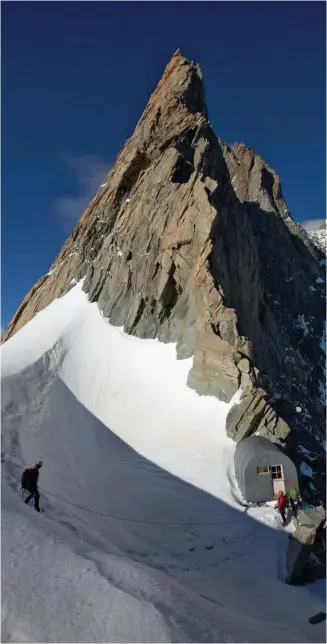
30,479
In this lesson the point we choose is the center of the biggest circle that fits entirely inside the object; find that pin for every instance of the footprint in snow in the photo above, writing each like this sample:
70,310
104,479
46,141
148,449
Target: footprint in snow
207,548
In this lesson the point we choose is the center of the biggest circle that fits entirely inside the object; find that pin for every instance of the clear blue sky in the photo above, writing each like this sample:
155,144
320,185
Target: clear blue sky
77,75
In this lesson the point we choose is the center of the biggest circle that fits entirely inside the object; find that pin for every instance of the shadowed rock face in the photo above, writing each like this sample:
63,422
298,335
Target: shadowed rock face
308,538
191,241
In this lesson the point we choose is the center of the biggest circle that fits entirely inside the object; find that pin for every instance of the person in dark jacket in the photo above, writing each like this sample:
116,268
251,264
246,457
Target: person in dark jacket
281,506
31,480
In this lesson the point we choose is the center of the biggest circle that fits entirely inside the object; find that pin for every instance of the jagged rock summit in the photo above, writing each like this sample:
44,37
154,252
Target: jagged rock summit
191,241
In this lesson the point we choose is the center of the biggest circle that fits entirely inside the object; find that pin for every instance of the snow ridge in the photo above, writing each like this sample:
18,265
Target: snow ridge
144,536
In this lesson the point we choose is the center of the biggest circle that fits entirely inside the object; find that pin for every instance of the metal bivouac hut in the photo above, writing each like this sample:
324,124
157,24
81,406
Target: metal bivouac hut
262,469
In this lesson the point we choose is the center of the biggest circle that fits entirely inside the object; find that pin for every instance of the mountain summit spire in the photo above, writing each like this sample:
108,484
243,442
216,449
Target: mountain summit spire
179,92
191,242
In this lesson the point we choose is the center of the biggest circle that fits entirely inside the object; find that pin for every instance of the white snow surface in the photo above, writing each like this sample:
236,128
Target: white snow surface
144,537
51,271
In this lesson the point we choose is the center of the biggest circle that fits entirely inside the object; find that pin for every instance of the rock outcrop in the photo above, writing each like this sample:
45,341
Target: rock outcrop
255,415
306,553
191,241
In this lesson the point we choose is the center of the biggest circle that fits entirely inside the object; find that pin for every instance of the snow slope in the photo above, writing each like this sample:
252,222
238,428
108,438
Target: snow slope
143,537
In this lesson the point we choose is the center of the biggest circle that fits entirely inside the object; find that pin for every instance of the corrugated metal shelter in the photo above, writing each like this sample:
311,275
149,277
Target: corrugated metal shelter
262,469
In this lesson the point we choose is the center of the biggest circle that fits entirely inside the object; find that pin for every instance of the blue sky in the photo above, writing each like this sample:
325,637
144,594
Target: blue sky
76,77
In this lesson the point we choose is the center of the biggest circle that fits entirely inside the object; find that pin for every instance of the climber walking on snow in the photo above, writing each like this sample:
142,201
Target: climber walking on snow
30,479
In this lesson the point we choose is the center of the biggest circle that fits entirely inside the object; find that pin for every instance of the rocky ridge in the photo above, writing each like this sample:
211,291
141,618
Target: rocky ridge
191,241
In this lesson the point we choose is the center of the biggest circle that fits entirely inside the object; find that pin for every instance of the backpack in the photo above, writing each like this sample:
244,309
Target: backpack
293,494
25,479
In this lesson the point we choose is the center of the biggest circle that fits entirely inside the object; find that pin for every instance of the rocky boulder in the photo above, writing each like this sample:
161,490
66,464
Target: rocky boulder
254,415
302,564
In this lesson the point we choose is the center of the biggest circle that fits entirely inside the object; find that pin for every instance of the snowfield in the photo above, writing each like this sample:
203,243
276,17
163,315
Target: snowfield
143,537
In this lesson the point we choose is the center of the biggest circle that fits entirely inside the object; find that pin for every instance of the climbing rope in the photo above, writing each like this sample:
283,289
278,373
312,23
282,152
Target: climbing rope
162,523
144,521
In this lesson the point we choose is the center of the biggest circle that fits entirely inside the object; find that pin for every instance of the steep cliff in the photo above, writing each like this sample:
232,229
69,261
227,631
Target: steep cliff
191,241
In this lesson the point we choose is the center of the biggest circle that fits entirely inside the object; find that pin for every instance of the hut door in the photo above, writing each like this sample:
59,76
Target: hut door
277,475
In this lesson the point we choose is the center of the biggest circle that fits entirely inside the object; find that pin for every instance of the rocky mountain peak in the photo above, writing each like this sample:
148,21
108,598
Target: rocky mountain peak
180,86
190,240
177,101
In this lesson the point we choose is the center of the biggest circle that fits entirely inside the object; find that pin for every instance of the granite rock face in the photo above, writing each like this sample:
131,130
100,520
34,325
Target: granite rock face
191,241
255,415
308,539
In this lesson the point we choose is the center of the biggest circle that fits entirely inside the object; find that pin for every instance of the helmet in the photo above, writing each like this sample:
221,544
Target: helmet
38,464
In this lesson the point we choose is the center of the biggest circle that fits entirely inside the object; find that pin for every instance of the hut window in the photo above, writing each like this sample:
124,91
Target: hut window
276,472
262,469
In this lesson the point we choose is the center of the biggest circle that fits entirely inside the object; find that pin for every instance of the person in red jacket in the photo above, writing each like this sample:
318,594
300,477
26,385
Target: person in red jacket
31,477
281,506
